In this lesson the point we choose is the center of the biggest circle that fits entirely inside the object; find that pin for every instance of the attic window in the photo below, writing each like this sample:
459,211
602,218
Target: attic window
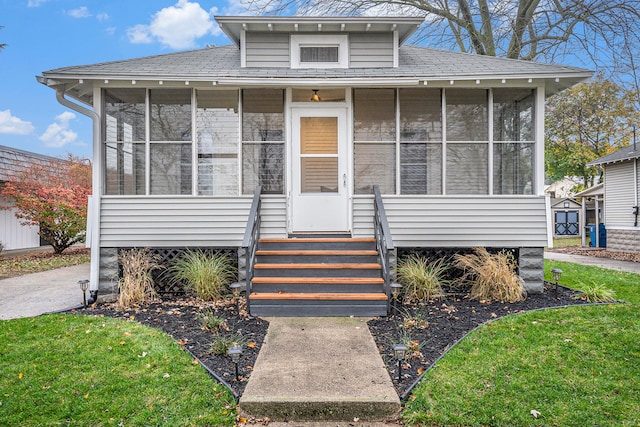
319,51
319,54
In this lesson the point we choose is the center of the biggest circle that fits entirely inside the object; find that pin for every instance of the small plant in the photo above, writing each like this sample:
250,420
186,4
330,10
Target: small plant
421,281
414,347
221,343
493,276
415,320
203,275
597,293
211,322
136,284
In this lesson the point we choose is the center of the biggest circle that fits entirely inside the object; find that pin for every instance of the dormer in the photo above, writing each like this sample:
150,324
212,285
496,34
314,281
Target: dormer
318,43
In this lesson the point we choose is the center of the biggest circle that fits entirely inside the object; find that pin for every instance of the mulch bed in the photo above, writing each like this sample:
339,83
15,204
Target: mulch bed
447,322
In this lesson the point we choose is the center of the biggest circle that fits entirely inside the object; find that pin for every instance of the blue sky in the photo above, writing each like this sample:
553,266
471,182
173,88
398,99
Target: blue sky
45,34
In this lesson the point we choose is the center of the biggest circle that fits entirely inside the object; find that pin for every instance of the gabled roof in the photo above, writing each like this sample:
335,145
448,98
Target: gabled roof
596,190
622,155
221,65
557,202
13,161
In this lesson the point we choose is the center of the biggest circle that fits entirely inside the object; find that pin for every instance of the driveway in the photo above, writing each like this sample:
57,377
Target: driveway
44,292
612,264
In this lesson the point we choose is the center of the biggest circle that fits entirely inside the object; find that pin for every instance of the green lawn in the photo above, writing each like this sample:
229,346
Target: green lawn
576,366
12,266
90,371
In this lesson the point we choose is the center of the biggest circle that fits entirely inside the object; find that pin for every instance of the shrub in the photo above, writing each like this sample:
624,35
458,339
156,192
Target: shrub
136,284
421,280
493,276
597,293
203,275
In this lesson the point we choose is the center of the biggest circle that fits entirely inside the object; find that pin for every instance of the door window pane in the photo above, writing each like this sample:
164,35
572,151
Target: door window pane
467,115
467,169
318,135
319,175
374,114
218,138
170,114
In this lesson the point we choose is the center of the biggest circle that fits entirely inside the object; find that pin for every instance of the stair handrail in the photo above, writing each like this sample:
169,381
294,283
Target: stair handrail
384,241
251,238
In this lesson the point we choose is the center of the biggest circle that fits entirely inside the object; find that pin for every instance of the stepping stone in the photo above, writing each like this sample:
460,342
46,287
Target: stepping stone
319,369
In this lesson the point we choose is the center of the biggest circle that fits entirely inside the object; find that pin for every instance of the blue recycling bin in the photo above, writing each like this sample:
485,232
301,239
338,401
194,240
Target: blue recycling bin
602,238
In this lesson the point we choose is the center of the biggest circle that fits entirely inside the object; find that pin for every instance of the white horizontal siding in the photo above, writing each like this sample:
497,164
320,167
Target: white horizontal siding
267,49
619,193
458,221
14,235
183,222
370,50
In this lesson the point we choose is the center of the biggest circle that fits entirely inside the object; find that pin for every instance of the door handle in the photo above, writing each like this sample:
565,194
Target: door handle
344,179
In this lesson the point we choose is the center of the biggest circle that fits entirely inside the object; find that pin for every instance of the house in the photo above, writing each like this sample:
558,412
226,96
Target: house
13,234
567,218
349,133
561,188
621,183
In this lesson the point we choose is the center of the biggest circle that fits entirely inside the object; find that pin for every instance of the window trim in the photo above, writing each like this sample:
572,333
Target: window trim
325,40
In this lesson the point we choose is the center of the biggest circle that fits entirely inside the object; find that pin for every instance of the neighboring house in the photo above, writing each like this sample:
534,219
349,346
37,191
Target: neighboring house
14,235
562,188
566,216
593,214
621,183
318,112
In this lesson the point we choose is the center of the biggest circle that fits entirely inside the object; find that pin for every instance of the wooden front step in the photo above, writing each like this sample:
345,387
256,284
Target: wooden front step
320,252
317,266
320,280
318,296
317,277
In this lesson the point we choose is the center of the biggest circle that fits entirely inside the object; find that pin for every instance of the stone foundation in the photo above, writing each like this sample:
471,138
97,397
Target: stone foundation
531,269
623,240
108,283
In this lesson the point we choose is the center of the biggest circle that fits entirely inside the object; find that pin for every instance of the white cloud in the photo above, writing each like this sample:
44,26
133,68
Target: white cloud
13,125
81,12
58,134
177,26
102,16
35,3
139,34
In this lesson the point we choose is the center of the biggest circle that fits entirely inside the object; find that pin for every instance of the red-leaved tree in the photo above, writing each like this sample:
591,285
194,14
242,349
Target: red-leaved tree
53,195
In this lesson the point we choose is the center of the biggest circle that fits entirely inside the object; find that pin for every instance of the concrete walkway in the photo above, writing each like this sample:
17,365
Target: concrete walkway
44,292
312,368
612,264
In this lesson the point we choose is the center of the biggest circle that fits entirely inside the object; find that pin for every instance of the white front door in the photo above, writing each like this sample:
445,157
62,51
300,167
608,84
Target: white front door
319,184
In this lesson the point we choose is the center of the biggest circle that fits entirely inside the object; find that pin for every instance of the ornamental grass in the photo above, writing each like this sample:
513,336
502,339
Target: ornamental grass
493,276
